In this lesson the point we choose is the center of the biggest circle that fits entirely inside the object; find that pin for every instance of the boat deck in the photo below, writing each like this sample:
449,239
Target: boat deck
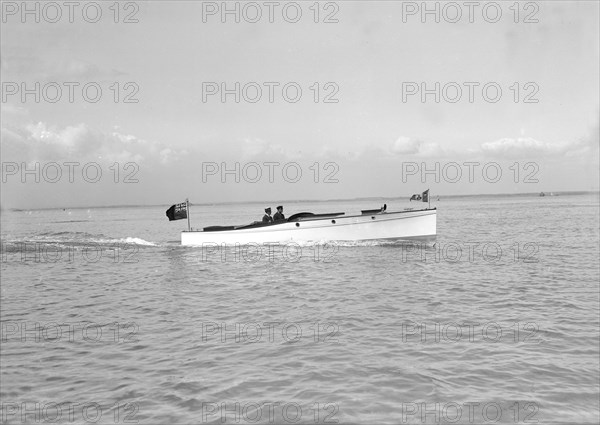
306,216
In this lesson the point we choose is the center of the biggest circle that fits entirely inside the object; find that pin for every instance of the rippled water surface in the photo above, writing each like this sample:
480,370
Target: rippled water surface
498,322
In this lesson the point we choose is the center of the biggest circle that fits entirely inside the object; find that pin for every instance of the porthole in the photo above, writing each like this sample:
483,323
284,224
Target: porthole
373,218
297,224
333,221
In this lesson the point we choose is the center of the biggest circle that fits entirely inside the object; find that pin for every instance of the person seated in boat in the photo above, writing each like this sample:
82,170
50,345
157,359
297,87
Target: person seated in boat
279,214
267,217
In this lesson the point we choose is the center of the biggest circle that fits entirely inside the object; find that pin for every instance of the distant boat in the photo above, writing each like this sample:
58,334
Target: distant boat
375,224
542,194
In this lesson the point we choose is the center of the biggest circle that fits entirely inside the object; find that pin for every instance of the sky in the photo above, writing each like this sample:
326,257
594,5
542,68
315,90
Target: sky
152,102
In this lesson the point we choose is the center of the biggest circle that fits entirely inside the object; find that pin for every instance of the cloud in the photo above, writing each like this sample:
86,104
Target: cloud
9,110
592,140
529,147
410,146
400,148
13,116
29,65
406,145
519,147
43,142
254,147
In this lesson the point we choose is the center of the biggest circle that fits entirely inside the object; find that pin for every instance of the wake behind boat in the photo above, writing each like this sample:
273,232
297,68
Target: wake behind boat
306,227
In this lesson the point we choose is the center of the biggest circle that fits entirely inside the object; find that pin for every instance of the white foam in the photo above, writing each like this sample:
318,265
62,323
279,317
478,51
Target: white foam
137,241
128,240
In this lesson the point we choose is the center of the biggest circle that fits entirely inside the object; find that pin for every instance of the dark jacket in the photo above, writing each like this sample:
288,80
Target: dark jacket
267,219
278,216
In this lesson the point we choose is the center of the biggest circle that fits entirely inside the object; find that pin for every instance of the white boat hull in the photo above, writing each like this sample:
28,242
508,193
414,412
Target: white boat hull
403,225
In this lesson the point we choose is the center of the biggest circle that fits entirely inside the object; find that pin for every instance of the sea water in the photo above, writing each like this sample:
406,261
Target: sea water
107,319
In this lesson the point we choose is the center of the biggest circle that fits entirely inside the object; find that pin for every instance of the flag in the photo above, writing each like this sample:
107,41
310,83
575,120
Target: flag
415,197
425,196
177,212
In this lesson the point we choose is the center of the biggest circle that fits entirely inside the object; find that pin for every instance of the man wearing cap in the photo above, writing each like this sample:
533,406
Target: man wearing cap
267,217
279,214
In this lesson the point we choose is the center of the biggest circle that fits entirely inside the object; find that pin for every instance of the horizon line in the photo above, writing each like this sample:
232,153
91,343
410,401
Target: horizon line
568,192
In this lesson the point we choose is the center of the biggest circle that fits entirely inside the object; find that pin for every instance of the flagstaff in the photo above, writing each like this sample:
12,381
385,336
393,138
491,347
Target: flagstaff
187,210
